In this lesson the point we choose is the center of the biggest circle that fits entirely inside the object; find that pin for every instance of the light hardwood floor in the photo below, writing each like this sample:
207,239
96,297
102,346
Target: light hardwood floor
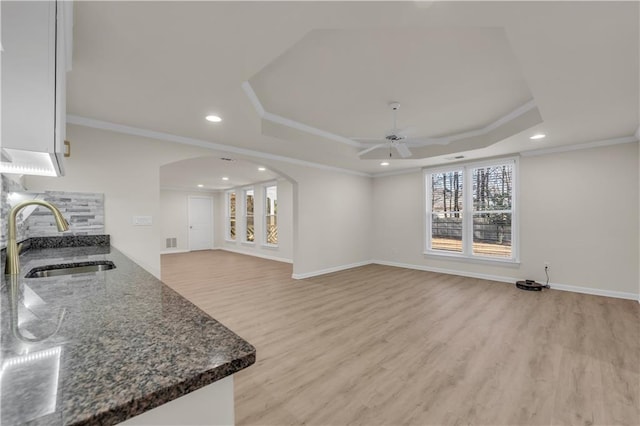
379,345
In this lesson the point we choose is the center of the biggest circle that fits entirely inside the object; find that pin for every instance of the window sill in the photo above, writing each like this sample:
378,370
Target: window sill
248,243
270,246
475,259
230,241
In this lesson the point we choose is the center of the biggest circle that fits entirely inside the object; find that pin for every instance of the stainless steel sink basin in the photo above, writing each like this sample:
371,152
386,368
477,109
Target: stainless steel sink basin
70,268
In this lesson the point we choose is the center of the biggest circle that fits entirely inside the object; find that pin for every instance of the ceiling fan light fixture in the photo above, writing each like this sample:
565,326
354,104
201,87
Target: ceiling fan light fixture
395,139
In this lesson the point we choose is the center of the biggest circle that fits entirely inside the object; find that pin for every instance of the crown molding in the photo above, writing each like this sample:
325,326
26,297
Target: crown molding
199,190
167,137
533,153
398,172
444,140
579,146
257,105
135,131
278,119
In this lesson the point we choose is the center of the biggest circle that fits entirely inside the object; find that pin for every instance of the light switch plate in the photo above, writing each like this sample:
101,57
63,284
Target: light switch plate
142,220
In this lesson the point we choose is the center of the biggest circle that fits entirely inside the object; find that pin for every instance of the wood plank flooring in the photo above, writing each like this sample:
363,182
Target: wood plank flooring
379,345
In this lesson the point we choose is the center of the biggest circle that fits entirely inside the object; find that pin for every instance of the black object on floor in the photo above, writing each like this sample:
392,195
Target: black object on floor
530,285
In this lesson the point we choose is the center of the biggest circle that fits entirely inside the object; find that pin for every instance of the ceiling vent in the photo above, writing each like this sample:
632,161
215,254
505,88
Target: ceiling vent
226,159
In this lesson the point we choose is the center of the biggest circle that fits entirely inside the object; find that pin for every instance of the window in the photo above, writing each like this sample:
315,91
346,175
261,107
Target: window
271,214
248,216
471,210
446,211
231,216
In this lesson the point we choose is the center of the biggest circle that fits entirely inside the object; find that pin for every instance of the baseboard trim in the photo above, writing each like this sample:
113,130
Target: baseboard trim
511,280
330,270
173,251
263,256
594,291
488,277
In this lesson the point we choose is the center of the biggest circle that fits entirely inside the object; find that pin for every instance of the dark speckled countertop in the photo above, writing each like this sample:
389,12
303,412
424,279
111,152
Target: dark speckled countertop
126,343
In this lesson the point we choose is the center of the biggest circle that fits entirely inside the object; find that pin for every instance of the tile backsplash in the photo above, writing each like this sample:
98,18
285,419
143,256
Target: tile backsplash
10,185
84,212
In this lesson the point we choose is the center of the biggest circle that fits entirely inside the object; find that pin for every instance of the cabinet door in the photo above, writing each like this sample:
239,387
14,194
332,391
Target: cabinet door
64,47
28,75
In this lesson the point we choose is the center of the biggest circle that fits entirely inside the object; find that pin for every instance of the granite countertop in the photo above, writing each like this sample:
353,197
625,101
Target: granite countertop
98,348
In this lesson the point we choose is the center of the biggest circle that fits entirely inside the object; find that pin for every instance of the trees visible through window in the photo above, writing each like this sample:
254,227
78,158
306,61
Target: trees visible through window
446,211
231,216
470,210
492,210
271,215
249,223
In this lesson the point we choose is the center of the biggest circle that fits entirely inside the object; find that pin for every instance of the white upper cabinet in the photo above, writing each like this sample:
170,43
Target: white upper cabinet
36,42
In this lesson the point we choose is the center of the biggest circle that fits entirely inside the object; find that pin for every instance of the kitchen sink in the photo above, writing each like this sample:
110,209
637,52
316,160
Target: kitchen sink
70,268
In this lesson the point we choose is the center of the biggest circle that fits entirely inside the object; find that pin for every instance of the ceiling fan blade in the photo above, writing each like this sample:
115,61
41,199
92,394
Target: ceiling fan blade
368,140
403,150
371,149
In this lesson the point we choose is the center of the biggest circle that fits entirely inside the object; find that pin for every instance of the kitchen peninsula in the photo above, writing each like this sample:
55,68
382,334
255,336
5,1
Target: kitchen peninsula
103,347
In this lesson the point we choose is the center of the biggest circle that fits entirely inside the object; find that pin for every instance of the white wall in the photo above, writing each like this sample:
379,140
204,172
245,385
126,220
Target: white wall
334,222
331,215
174,217
341,220
284,251
127,170
579,211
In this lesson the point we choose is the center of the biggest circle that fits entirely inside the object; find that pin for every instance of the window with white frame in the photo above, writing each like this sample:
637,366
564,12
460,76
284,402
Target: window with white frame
231,216
248,216
471,210
271,214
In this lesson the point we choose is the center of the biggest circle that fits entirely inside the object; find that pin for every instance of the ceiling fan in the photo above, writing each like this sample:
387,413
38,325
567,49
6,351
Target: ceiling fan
396,138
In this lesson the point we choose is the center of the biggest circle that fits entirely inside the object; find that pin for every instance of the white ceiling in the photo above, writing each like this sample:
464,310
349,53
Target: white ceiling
448,80
454,67
209,172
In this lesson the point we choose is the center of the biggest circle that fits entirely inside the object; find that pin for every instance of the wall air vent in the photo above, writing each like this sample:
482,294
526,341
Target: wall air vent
226,159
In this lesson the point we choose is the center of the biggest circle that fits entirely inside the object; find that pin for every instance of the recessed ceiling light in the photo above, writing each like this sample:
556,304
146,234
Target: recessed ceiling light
225,178
384,163
213,118
200,185
538,136
262,169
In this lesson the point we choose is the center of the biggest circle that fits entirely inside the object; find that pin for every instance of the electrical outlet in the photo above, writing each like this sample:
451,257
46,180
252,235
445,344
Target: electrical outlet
547,265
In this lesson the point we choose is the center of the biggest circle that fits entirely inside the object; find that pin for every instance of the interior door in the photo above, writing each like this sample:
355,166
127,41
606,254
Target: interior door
200,223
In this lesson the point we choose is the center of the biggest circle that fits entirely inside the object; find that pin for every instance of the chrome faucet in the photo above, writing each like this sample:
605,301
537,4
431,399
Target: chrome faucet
12,264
